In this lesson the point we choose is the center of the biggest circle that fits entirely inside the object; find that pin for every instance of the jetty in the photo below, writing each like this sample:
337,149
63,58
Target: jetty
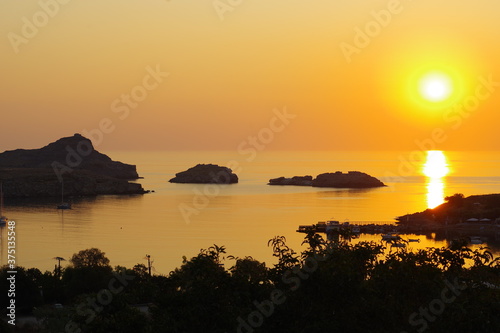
356,227
449,231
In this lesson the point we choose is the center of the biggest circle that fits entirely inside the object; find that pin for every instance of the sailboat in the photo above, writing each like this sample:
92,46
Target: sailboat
3,219
63,205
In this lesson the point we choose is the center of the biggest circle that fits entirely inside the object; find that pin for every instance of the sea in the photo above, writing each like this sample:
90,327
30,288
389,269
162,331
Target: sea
178,220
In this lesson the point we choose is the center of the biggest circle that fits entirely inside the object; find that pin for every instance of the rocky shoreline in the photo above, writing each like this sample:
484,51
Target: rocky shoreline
25,183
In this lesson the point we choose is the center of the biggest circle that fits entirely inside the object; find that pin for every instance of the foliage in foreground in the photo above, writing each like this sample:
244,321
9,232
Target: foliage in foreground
333,286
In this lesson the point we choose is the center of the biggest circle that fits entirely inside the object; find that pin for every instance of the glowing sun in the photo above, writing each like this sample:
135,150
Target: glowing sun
435,87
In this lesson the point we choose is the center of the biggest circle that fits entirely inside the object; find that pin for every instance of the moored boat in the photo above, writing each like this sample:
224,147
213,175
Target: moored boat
3,219
390,236
476,240
63,205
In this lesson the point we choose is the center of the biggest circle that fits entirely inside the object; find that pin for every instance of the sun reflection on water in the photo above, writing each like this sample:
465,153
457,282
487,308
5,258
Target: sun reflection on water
435,168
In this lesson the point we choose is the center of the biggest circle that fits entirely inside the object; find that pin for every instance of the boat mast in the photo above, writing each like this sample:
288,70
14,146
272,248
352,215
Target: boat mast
1,199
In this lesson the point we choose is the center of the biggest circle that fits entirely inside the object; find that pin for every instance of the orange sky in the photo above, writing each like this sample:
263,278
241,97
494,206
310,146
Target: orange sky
66,69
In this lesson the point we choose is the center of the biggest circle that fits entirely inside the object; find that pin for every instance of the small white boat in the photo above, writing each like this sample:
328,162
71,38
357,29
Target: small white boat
63,205
476,240
332,226
390,236
414,240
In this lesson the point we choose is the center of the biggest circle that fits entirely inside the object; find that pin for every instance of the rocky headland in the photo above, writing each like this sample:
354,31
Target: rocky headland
71,161
352,179
75,152
206,174
458,210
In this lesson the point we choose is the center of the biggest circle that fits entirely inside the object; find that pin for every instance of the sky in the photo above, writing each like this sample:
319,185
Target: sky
276,74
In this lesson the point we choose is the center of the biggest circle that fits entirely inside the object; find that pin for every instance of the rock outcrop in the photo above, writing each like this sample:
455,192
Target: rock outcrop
71,161
296,181
352,179
206,174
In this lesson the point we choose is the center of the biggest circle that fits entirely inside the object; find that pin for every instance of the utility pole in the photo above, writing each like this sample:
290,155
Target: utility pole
58,267
149,263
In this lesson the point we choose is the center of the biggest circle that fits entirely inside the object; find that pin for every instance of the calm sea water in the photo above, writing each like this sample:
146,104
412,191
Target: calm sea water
180,219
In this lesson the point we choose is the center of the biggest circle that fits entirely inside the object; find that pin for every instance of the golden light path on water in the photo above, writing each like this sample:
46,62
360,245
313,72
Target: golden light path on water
435,169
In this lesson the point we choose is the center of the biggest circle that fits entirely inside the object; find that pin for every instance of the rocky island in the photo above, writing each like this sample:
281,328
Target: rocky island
352,179
71,161
206,174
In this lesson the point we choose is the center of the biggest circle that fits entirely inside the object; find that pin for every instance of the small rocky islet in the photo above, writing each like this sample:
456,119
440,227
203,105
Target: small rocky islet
206,174
215,174
351,179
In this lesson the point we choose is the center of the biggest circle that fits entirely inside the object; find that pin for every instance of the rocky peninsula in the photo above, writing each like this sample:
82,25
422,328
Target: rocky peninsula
70,160
352,179
206,174
458,211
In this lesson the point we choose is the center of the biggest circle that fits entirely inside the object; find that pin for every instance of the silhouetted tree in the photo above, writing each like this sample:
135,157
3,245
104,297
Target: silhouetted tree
92,258
89,272
456,200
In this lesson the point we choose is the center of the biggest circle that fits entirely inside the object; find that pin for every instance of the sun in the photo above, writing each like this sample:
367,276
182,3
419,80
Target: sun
435,87
431,76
